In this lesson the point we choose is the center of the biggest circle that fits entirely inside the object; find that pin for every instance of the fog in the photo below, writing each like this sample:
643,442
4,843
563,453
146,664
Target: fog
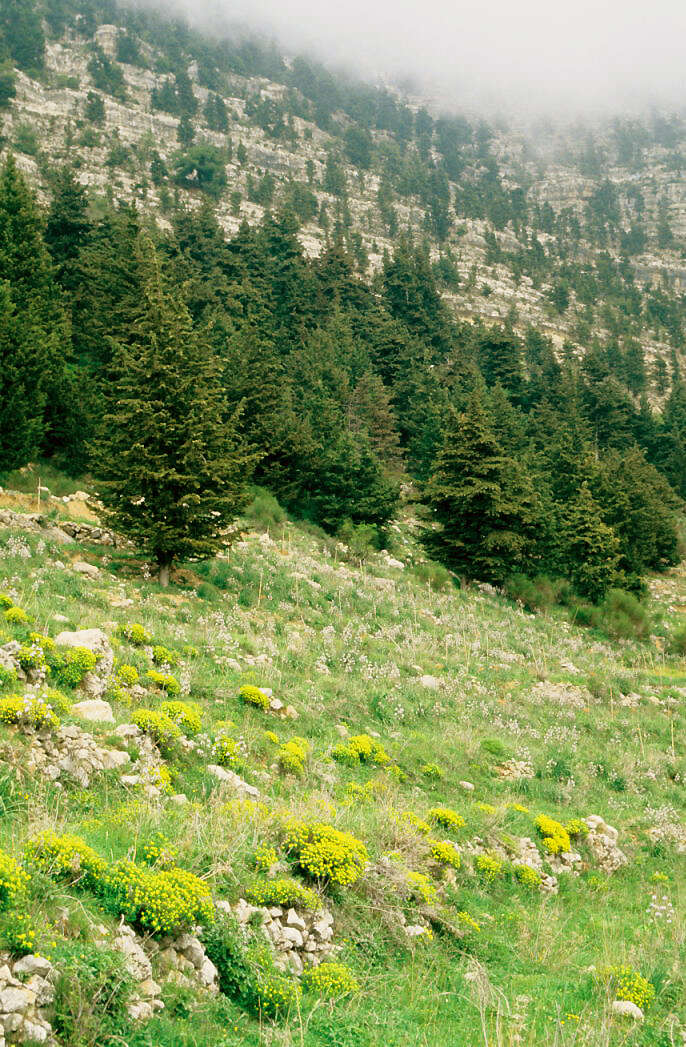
533,56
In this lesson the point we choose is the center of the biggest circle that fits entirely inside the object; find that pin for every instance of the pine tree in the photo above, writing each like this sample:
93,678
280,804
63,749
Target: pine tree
483,504
68,228
171,471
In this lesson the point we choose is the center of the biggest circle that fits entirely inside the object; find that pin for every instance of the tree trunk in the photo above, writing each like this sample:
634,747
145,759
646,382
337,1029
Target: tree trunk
164,574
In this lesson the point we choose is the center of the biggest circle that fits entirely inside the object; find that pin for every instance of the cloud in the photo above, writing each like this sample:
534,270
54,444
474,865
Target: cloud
540,56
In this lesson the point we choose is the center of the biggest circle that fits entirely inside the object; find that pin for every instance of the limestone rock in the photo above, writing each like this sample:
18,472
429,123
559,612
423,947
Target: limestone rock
627,1009
94,710
88,569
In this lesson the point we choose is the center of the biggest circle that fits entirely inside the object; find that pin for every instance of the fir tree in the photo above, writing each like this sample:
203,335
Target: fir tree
591,548
171,471
483,504
22,385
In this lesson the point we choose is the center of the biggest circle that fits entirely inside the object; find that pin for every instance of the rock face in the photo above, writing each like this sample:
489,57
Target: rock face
26,994
95,640
94,710
298,938
602,840
70,754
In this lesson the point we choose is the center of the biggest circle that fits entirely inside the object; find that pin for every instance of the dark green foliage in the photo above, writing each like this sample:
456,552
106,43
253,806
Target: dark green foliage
91,995
22,34
179,482
482,503
591,549
216,114
94,109
107,75
22,384
7,84
202,167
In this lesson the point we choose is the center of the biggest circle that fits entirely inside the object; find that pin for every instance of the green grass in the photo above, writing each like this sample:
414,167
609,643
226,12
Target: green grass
347,645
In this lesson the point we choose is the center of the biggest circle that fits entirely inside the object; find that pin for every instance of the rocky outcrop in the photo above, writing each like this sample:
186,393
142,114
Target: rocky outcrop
27,992
299,938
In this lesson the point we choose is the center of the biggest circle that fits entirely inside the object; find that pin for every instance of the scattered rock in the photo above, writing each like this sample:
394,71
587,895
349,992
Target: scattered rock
94,710
89,569
430,681
627,1009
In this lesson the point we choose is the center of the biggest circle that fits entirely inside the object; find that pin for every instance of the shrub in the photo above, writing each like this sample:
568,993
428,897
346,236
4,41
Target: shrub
446,818
158,726
360,749
165,682
435,575
226,751
127,675
91,995
65,857
31,656
8,677
57,700
284,891
677,641
432,771
326,854
246,972
5,602
555,836
135,634
16,616
185,714
70,668
489,866
330,980
265,857
627,984
25,711
577,827
264,512
13,881
421,887
445,853
254,696
535,594
18,933
292,755
622,616
166,902
410,818
527,875
163,656
159,851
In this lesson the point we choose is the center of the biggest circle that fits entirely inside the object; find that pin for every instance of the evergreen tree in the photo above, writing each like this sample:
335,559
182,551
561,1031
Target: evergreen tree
482,503
21,30
170,469
68,228
591,548
22,385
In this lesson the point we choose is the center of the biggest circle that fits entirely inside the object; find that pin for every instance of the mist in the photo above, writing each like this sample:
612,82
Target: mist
531,57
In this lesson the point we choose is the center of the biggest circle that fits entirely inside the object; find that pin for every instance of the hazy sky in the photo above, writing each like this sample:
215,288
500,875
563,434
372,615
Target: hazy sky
538,54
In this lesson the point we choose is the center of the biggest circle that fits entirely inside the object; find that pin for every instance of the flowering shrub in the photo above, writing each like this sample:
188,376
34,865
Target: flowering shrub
284,891
276,995
226,751
325,853
361,748
27,712
159,777
421,887
166,902
577,827
158,726
410,818
527,875
16,616
366,792
135,634
265,857
489,866
127,675
487,808
628,984
433,771
65,858
445,853
254,696
163,656
19,934
70,668
331,980
446,818
165,682
5,602
292,755
57,700
13,881
159,851
555,836
31,656
272,737
185,714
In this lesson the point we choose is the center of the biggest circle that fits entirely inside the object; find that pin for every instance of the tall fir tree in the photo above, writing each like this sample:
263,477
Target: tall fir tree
482,503
591,553
170,467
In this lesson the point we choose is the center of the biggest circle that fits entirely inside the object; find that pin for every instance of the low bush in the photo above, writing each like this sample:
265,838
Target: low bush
284,891
361,748
186,715
254,696
158,726
435,575
330,981
326,854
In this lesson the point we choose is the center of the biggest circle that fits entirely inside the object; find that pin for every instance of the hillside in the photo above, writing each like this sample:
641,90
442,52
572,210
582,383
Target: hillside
452,733
578,230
